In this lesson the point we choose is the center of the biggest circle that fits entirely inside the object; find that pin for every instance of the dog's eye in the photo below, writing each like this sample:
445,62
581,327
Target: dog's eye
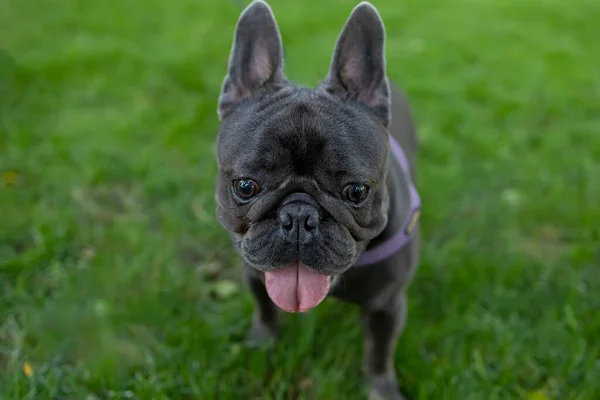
355,192
245,188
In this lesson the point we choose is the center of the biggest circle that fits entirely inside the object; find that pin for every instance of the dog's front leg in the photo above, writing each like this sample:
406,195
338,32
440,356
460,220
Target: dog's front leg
265,324
383,327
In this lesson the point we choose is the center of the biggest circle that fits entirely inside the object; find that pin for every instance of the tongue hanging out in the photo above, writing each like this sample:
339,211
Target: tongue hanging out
296,287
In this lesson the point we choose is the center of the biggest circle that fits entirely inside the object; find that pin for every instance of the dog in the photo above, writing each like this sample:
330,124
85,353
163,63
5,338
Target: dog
315,186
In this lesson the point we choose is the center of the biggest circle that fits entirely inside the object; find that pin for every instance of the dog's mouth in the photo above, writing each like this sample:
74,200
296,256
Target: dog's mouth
296,287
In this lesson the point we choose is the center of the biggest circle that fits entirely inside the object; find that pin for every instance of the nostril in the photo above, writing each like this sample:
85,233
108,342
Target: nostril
285,219
311,222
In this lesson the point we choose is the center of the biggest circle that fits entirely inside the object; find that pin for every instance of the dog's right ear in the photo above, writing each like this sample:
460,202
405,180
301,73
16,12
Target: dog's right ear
256,58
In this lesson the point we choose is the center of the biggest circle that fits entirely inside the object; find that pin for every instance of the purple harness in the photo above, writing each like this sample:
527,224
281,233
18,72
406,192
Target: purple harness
403,236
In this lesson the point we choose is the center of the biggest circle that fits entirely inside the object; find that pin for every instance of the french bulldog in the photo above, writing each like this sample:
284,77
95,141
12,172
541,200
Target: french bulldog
315,186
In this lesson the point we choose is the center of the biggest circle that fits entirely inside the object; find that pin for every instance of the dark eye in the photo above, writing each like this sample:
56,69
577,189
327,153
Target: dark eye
355,192
245,189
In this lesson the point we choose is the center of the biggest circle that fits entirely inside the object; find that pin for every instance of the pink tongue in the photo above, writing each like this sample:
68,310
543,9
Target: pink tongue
296,287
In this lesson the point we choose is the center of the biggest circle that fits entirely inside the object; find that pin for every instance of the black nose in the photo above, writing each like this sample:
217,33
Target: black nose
298,219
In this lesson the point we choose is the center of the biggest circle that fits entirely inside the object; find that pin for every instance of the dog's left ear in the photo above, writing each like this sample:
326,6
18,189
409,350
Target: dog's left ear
358,68
256,57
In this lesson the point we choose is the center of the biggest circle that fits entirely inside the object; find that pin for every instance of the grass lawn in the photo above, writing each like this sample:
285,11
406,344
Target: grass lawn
116,281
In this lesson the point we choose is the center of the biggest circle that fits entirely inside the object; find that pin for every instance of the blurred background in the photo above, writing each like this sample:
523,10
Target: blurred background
117,282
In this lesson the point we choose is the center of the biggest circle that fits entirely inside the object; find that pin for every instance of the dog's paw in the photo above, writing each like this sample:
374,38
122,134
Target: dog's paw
261,335
384,389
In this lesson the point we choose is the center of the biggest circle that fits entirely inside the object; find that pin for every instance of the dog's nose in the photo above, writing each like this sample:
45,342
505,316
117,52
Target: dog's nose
298,218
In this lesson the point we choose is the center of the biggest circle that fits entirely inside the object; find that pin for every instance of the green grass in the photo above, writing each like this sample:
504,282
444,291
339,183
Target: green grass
117,282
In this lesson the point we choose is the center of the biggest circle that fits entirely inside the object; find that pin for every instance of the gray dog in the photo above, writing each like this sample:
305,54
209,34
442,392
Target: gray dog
315,186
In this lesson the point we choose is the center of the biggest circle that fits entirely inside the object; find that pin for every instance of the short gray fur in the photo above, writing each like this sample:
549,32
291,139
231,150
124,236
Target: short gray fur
303,145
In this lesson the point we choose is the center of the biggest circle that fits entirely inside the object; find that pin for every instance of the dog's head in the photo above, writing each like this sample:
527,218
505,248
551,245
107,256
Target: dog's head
302,172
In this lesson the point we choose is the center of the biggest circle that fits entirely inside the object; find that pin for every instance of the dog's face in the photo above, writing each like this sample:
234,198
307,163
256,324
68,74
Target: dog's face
302,172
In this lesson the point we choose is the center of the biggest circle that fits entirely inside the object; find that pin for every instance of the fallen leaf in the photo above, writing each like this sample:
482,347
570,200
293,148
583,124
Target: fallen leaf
10,178
225,289
306,383
211,270
537,395
27,369
235,349
512,197
88,253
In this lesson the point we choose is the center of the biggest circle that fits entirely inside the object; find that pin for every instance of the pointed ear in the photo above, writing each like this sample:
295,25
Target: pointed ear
358,65
256,58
